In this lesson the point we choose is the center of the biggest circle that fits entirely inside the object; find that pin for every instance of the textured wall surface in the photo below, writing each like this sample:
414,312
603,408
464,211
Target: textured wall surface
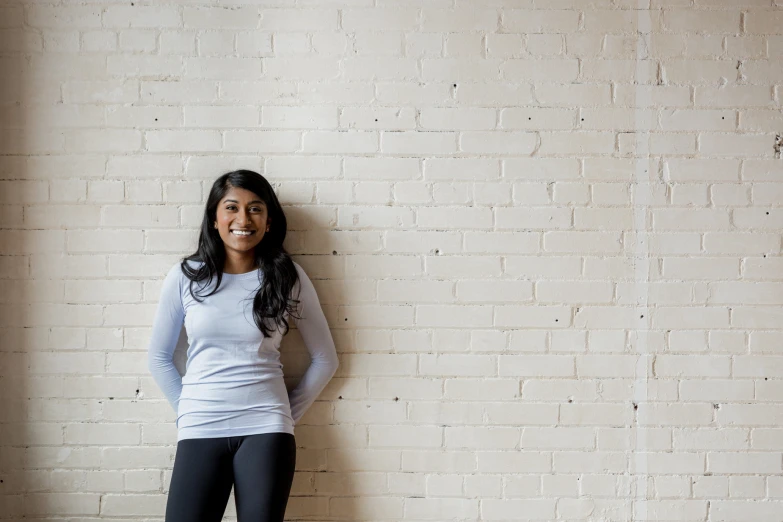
546,233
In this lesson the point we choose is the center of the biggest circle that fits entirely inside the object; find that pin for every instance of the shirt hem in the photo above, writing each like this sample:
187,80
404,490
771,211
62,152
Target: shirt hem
194,433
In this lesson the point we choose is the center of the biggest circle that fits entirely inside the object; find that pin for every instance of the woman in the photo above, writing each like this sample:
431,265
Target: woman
235,418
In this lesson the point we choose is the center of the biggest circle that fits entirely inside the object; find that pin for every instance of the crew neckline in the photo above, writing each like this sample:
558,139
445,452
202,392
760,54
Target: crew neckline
245,275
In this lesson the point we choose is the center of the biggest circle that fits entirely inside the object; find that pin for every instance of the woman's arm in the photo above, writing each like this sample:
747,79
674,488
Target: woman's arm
166,328
316,336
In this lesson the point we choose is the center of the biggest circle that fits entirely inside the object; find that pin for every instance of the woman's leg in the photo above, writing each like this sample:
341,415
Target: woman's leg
201,481
263,472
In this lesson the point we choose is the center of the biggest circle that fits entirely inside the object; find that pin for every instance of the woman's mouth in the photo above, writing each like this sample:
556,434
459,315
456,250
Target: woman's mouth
243,233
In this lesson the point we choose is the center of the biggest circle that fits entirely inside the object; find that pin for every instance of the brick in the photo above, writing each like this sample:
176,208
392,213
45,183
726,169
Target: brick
691,120
299,118
502,143
457,119
763,22
299,20
375,118
702,21
141,16
210,117
62,17
699,72
123,91
735,145
380,19
219,17
760,121
223,68
216,43
178,92
70,503
460,19
540,21
138,40
297,68
557,70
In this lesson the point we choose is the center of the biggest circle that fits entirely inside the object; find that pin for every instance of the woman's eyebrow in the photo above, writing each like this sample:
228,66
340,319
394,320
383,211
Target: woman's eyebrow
235,201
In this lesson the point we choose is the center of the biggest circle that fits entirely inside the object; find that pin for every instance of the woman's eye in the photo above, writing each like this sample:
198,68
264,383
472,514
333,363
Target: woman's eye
232,207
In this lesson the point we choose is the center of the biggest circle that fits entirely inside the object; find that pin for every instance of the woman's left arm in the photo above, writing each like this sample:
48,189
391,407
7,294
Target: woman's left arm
316,336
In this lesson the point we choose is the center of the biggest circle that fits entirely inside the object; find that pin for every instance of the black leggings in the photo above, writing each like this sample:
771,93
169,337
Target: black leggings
260,467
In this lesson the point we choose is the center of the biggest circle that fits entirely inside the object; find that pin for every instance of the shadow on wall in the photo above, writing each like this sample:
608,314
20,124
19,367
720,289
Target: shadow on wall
58,426
44,352
20,413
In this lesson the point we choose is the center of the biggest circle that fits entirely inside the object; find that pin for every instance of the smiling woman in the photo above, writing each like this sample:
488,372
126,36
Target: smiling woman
242,220
235,418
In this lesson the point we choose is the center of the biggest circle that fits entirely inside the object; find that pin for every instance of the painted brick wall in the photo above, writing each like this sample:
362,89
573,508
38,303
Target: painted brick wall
546,233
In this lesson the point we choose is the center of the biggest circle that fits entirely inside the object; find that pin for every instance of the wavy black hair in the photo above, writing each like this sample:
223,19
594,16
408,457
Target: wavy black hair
274,297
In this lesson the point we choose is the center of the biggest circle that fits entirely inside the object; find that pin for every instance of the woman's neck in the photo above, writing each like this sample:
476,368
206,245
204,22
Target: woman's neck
239,266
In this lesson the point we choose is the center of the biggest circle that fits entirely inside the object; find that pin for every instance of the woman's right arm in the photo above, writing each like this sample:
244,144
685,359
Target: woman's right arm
166,328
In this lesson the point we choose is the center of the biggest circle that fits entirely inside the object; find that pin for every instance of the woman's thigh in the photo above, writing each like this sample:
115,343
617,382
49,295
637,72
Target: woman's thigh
263,472
201,481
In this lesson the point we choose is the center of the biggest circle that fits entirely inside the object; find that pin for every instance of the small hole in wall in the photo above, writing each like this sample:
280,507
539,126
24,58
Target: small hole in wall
334,252
346,318
339,396
376,119
767,213
455,85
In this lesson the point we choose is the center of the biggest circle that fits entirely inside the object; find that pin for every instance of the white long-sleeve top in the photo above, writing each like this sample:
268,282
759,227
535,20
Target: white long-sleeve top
233,383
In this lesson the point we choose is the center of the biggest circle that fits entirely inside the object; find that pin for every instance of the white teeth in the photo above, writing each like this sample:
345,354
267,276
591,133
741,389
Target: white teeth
240,233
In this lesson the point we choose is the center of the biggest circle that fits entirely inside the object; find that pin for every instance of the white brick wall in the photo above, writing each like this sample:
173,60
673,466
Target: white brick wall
546,234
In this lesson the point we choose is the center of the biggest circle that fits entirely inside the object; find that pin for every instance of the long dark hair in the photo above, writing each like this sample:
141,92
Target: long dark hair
274,297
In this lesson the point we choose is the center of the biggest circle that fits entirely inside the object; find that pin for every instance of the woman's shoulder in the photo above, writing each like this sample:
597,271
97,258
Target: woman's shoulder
176,270
299,270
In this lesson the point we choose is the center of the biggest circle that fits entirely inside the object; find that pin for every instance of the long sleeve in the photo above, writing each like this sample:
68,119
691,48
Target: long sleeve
323,356
166,328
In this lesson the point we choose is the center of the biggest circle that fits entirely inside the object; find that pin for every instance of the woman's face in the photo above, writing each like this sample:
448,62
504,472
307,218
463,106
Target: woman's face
241,210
